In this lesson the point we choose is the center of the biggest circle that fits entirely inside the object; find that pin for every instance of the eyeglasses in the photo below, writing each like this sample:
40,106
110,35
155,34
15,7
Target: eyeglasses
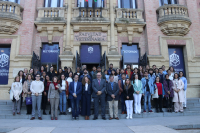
37,76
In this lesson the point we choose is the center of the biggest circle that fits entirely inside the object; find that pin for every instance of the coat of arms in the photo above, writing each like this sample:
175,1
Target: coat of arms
4,59
90,50
174,59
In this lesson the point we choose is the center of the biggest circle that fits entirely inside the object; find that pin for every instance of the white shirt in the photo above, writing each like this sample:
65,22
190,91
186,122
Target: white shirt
171,77
63,85
86,86
16,89
37,87
69,80
123,81
136,82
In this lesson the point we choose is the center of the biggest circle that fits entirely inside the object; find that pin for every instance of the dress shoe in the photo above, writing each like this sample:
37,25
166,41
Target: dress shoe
60,113
95,118
49,112
52,118
64,113
77,118
13,113
32,118
19,113
117,118
40,118
56,118
85,117
110,118
123,112
44,113
88,117
73,118
104,118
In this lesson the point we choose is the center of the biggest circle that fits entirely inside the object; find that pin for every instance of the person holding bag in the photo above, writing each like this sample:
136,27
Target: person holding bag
16,90
27,93
54,96
178,99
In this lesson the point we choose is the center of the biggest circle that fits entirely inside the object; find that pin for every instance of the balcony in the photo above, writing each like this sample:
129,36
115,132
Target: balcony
50,19
11,17
95,18
129,20
173,20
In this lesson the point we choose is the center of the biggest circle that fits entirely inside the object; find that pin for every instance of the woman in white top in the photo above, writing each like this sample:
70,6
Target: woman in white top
137,86
69,80
178,99
63,94
16,90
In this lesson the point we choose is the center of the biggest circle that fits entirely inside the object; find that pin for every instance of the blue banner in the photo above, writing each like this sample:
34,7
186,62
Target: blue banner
90,54
4,65
50,53
131,54
176,59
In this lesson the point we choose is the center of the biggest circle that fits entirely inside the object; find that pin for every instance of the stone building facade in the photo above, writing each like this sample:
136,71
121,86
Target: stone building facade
153,25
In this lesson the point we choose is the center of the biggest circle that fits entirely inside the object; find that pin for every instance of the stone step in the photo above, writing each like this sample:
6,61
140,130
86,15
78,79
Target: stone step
121,116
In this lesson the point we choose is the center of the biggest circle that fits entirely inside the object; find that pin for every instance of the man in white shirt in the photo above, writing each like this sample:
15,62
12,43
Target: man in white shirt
37,87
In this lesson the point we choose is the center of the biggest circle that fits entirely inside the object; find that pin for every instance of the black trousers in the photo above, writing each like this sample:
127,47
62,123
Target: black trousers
86,104
29,109
96,106
44,100
169,102
158,102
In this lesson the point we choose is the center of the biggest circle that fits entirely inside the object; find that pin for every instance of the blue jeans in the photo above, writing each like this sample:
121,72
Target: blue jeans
147,96
75,107
36,100
63,101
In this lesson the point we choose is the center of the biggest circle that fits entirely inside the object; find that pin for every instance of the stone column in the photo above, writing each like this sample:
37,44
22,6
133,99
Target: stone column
113,56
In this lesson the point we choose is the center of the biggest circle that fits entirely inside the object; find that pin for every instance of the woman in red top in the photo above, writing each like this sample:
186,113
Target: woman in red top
47,82
158,94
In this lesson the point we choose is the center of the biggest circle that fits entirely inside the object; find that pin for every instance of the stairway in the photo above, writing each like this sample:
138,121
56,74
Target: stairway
193,108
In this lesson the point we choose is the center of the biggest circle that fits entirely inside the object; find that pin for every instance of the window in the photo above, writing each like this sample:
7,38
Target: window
163,2
90,3
53,3
16,1
127,4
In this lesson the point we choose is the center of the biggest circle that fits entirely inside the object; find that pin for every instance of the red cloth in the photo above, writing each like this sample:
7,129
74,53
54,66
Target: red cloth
47,86
55,84
159,86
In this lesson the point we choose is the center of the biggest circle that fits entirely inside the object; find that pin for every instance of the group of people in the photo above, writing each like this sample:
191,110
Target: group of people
76,91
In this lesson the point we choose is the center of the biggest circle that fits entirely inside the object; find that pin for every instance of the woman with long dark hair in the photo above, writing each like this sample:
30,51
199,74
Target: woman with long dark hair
22,79
60,72
27,92
169,92
16,90
128,96
86,97
158,94
47,83
178,98
63,94
113,73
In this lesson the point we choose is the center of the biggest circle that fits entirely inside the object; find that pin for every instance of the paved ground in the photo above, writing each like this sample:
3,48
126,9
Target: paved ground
137,125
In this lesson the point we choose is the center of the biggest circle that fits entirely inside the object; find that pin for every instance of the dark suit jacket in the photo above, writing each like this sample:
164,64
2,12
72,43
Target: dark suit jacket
115,91
96,87
78,90
129,93
89,89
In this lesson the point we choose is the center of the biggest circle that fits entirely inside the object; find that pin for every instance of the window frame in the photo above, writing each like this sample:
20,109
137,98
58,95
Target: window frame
169,2
121,4
59,3
16,1
95,4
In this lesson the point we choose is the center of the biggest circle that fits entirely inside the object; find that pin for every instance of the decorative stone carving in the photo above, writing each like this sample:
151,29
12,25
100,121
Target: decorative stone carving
10,17
173,20
90,28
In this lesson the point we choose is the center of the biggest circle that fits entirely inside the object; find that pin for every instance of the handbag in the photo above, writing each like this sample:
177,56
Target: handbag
28,100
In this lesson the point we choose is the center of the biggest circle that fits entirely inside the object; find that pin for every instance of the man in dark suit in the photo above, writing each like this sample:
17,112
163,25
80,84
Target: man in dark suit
99,88
113,97
75,92
85,74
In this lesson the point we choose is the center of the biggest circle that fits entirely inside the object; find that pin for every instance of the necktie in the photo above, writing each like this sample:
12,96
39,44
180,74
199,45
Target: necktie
99,82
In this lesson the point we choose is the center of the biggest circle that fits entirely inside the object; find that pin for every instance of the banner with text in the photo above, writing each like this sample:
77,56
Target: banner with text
176,59
50,53
90,36
4,65
90,54
131,54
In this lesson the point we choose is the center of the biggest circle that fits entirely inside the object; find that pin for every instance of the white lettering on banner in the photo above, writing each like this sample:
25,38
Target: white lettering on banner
4,72
174,59
4,59
130,51
50,51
